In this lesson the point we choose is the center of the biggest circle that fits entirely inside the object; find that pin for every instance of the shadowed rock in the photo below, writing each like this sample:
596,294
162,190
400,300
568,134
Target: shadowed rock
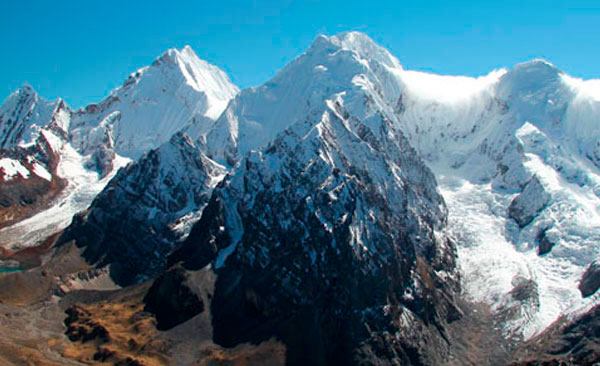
590,281
527,205
171,300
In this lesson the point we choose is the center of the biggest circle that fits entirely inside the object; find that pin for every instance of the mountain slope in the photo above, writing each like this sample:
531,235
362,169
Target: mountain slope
81,150
177,91
145,210
328,67
485,139
330,238
348,207
24,113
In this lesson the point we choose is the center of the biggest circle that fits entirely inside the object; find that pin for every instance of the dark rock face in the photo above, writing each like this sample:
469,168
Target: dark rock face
171,301
137,219
526,206
103,151
573,343
545,244
590,281
329,240
20,197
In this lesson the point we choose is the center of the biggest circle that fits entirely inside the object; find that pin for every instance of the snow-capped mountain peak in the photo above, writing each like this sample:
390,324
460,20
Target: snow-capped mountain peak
177,91
365,47
531,120
202,77
342,162
535,88
23,113
331,65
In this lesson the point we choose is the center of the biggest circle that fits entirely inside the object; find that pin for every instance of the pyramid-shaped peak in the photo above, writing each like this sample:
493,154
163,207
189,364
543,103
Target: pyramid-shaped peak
25,91
173,55
360,43
24,94
180,57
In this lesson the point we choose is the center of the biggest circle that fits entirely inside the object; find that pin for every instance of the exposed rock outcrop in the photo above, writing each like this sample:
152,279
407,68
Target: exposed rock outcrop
590,281
575,342
171,300
329,239
544,242
526,206
148,207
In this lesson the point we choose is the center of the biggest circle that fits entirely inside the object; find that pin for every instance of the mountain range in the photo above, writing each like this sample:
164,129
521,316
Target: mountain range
346,212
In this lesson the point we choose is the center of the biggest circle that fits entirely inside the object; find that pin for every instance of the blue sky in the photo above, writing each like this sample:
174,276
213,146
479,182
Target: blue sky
80,50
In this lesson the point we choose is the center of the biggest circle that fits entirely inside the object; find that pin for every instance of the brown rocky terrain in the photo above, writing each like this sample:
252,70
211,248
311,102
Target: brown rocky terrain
575,342
23,197
116,332
61,314
65,312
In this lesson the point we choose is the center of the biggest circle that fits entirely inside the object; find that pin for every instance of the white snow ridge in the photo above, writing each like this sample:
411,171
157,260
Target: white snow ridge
485,140
516,154
178,92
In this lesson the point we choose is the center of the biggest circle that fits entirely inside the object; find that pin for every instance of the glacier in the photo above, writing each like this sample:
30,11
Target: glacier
483,138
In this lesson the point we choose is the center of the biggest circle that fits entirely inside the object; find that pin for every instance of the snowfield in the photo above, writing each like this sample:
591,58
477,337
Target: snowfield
177,92
532,120
83,186
485,139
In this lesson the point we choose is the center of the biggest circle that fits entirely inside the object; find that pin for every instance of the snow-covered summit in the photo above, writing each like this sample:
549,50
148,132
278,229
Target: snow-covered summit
484,138
535,89
331,65
24,113
202,77
485,143
359,43
177,91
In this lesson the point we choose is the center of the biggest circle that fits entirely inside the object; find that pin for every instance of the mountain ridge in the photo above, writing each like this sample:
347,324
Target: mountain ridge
342,172
92,143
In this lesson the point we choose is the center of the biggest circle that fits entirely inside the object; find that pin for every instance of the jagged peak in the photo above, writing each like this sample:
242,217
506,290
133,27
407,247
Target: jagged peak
61,104
169,56
175,57
25,91
23,95
198,73
174,54
186,55
357,42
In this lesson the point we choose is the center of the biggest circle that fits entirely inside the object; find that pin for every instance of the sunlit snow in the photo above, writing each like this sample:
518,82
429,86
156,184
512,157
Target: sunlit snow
12,168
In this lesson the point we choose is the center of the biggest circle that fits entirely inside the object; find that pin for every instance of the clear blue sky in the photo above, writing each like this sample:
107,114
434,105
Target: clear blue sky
80,50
